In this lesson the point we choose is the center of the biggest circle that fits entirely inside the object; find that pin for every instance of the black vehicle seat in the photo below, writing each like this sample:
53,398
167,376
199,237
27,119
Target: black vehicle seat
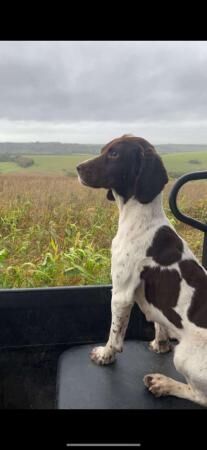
81,384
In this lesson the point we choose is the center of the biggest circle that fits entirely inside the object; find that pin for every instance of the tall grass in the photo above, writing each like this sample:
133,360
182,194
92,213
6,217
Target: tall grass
55,232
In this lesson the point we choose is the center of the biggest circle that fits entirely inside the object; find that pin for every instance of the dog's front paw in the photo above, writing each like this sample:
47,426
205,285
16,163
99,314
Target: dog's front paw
160,346
158,384
100,356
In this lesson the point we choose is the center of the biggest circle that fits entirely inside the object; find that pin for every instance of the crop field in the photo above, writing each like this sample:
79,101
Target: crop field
55,232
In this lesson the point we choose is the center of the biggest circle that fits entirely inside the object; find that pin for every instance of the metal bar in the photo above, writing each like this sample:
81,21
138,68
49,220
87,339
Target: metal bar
173,200
186,219
204,256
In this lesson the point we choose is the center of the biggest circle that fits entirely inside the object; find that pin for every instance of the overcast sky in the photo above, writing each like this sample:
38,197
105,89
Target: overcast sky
91,92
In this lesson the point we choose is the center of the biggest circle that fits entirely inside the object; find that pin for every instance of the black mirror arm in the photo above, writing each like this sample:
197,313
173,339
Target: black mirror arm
182,217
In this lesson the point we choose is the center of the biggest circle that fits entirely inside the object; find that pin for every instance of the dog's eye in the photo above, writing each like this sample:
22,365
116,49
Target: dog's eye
113,154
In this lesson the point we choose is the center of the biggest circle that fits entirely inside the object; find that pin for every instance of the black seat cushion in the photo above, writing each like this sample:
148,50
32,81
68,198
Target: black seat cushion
81,384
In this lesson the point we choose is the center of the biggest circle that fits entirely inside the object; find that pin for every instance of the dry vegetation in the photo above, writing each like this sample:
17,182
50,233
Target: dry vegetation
55,232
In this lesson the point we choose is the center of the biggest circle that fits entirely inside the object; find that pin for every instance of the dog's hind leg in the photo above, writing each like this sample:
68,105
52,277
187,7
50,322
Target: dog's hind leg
160,385
191,361
161,342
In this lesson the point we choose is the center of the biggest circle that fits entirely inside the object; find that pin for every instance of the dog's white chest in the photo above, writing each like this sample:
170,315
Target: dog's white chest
121,269
125,257
137,226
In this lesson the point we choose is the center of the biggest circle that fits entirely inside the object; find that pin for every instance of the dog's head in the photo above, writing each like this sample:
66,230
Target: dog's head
128,165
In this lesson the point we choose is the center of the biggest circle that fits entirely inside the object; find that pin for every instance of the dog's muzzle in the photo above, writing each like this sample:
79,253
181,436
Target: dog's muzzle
80,177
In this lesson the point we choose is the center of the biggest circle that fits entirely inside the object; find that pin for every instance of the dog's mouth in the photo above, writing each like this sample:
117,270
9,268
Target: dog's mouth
88,177
81,181
109,194
92,183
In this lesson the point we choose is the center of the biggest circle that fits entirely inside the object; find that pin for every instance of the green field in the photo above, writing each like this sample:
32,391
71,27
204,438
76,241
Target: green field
7,167
183,162
176,163
54,164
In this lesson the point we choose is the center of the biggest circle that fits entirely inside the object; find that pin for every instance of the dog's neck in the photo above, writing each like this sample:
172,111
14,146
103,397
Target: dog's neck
138,213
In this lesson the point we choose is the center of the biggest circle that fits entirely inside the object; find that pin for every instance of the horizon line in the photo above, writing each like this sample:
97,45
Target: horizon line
86,143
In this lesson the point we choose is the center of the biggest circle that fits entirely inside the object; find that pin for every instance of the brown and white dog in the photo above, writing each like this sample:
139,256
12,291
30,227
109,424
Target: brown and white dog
151,265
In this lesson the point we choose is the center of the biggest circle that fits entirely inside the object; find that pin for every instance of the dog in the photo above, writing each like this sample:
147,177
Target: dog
151,265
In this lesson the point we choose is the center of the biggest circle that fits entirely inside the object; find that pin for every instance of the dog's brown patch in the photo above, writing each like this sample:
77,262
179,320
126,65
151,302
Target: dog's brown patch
167,247
195,276
162,288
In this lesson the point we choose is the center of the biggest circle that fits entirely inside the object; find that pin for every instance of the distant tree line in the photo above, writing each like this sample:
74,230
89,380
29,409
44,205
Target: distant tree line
47,148
58,148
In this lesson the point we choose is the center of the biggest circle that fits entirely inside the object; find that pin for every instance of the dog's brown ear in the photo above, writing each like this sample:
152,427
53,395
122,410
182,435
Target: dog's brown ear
152,176
110,196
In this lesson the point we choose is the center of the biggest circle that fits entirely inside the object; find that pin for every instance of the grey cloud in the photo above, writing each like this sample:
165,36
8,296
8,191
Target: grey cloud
103,81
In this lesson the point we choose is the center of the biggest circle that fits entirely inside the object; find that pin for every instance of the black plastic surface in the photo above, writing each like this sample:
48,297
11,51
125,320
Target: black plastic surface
53,316
28,377
37,325
81,384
